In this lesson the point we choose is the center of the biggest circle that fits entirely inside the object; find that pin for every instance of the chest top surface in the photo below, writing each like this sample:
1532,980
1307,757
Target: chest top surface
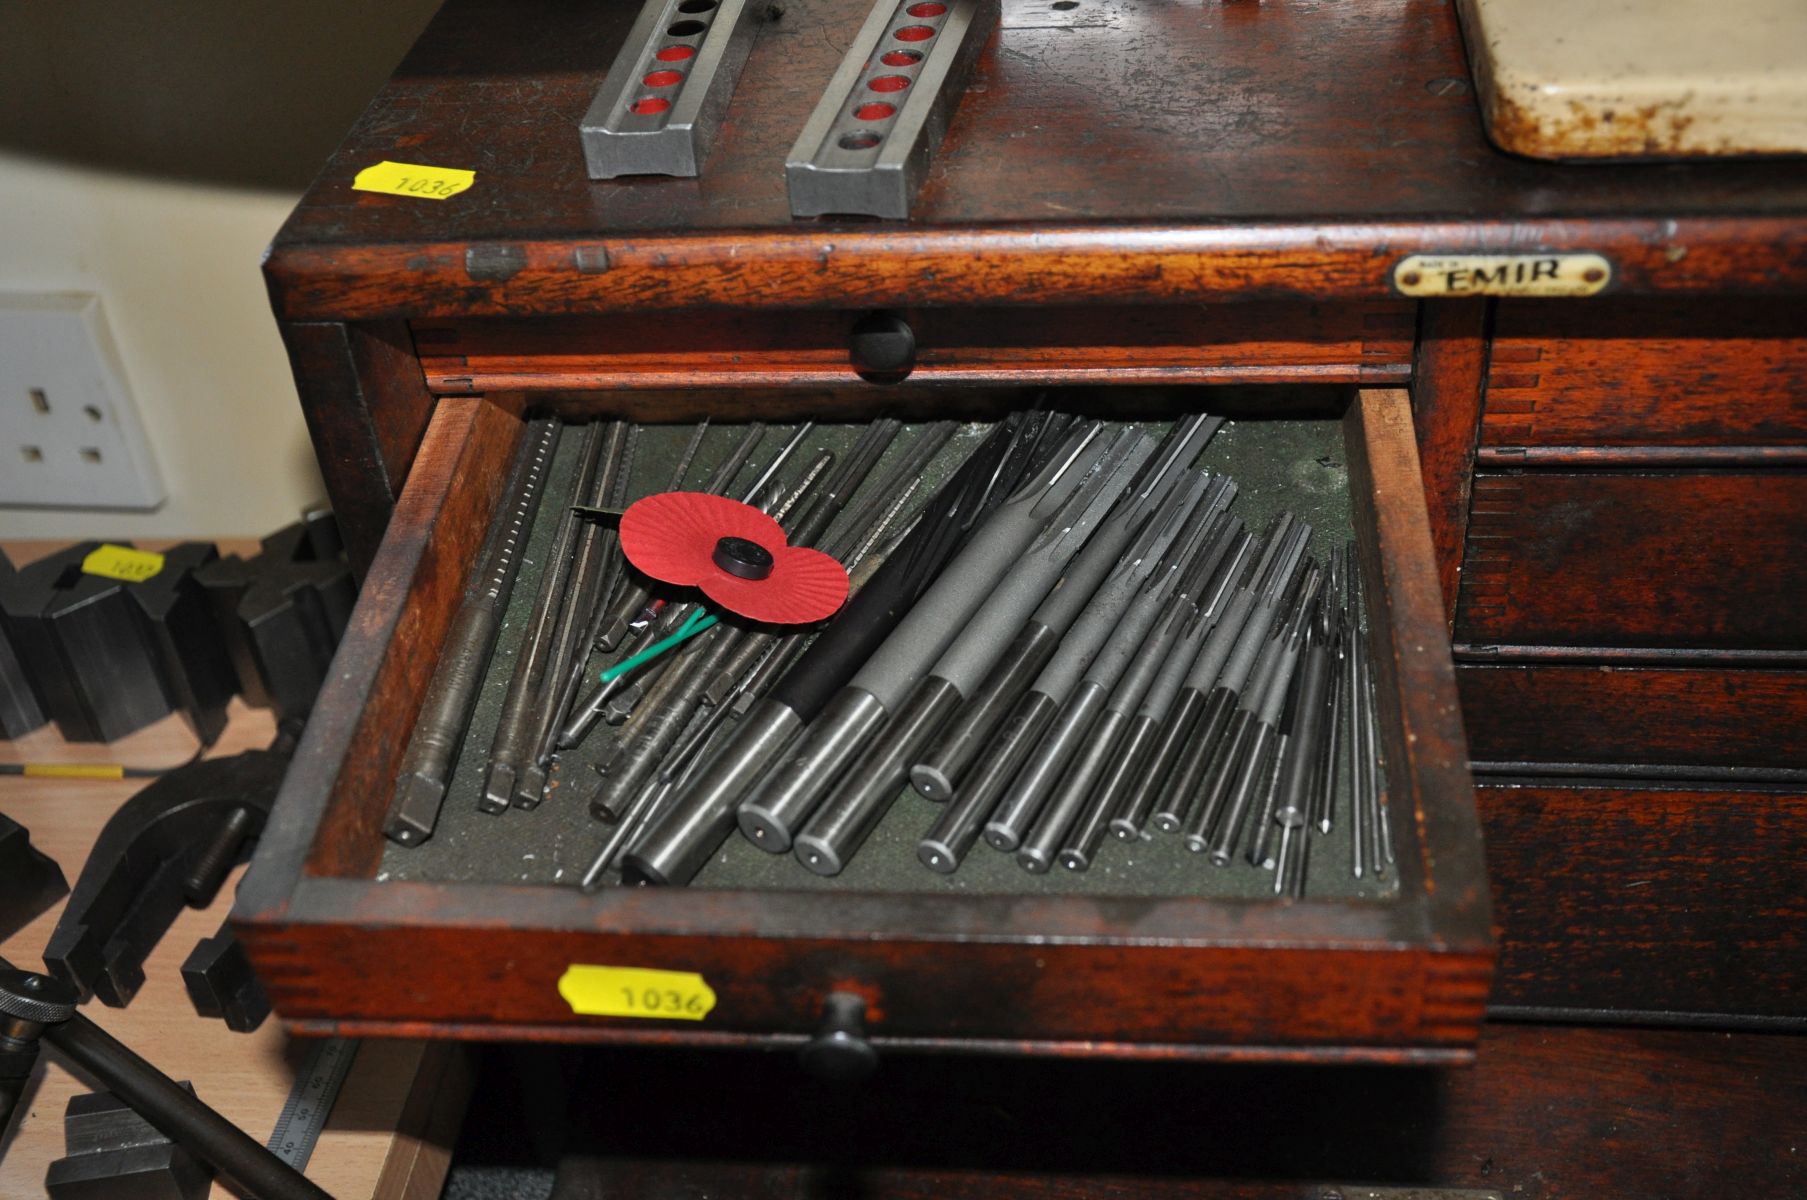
1323,127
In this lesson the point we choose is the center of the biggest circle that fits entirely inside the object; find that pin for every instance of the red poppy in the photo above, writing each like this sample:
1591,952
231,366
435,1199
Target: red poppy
736,554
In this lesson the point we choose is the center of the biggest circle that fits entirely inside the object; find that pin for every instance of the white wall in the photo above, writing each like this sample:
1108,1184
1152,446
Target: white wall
149,150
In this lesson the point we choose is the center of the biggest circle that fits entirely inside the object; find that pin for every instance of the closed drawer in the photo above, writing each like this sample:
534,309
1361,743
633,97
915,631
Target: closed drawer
1667,901
1698,561
1661,720
1234,343
1658,373
1402,975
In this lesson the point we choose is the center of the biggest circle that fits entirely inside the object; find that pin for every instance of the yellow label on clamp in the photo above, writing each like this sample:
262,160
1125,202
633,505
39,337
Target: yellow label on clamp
122,563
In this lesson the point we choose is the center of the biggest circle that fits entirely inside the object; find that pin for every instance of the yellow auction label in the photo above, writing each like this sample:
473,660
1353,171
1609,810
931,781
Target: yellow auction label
594,991
122,562
411,179
1502,274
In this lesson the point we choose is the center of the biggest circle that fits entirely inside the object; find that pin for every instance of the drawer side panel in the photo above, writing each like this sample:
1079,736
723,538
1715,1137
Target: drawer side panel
1648,900
1622,373
1707,560
1691,718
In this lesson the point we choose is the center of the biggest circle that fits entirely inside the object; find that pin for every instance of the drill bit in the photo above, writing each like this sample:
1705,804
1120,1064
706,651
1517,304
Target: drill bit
947,842
1129,801
1062,691
701,815
939,769
1086,718
1004,515
1109,745
879,688
1245,756
1223,666
856,804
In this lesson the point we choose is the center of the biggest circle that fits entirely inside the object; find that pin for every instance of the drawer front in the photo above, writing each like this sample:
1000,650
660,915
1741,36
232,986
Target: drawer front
1682,718
1232,343
1701,561
1644,372
1643,900
1399,978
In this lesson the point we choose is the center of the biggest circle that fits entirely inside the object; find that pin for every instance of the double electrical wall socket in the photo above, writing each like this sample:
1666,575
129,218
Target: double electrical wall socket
69,435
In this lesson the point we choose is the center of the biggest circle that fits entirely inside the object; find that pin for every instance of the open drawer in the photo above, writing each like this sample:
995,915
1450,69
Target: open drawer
342,945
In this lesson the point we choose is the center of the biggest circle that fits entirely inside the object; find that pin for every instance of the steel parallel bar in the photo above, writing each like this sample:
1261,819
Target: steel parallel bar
867,145
669,87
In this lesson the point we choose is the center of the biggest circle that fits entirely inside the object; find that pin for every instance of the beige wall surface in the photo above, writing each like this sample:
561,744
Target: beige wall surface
149,149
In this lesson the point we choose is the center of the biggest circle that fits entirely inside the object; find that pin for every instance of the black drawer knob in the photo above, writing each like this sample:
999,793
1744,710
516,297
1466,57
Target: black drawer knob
840,1051
884,348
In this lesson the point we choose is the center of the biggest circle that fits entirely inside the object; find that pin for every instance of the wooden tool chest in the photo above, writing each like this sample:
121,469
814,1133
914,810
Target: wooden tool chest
1596,502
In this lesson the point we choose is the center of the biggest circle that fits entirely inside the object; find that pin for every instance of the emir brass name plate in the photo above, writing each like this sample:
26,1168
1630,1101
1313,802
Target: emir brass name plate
1502,274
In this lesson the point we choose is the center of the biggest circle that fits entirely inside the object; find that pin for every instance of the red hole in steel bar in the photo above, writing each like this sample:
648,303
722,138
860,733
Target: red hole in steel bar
648,105
914,33
901,58
877,110
675,53
889,83
926,10
662,78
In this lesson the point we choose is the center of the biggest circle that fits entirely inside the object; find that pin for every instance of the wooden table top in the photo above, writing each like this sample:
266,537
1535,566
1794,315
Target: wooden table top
383,1138
1288,148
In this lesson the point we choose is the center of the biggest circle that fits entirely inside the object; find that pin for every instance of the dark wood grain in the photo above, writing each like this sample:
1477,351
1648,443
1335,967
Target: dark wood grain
1003,264
366,406
332,801
1691,718
1627,372
431,545
1421,722
1305,163
1446,407
1660,901
1236,343
1007,984
1545,1114
1672,559
1404,979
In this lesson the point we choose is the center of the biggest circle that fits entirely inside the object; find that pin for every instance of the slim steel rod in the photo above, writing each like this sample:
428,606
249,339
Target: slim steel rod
938,771
1109,672
614,566
931,623
513,745
1224,666
445,711
702,813
577,609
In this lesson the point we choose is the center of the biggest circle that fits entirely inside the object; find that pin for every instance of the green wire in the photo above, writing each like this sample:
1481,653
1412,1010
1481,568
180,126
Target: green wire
698,621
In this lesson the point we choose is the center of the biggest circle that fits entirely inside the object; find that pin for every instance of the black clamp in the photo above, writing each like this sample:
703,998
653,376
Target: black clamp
105,657
170,845
283,611
36,1009
30,881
